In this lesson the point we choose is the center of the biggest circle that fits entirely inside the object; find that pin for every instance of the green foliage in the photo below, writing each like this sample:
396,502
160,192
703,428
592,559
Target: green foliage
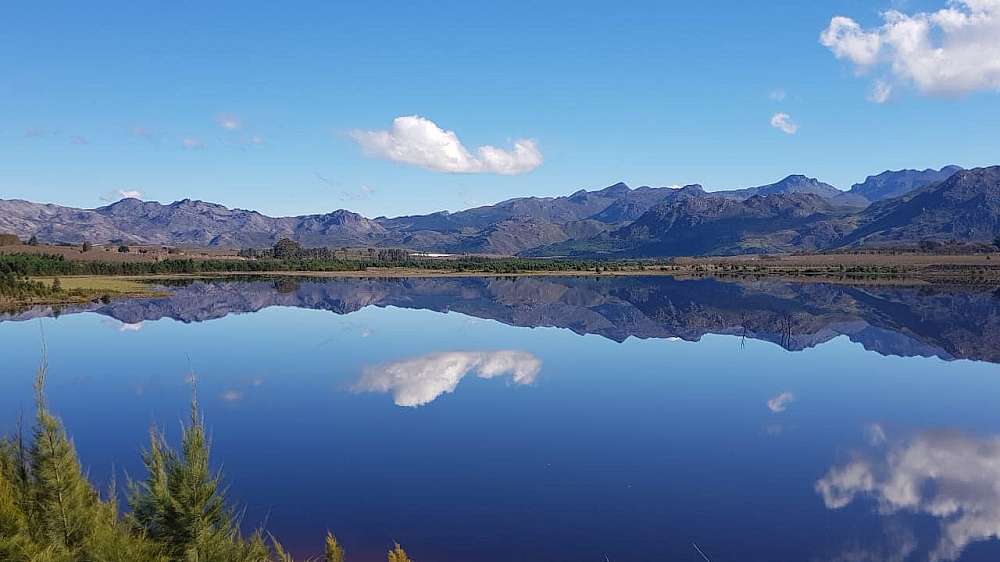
286,248
317,259
123,249
85,247
15,287
180,504
33,241
397,554
49,512
332,551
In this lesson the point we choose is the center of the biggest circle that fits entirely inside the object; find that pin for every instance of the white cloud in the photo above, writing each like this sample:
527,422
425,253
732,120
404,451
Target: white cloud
783,122
122,326
846,39
949,476
954,50
419,141
420,380
228,122
780,402
192,143
122,194
777,95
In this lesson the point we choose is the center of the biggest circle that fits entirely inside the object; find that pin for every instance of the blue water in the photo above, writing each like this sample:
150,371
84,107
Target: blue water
556,419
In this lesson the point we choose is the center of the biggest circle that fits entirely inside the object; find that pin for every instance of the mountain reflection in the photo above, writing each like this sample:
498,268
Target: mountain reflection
420,380
949,323
952,477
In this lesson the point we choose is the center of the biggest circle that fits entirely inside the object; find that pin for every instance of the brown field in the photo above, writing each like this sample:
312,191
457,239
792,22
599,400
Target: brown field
110,253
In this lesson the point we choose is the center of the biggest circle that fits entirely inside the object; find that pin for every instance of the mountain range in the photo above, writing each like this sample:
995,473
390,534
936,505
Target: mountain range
797,213
891,320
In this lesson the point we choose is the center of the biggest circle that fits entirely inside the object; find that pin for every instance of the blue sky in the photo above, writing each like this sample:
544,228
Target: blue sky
138,97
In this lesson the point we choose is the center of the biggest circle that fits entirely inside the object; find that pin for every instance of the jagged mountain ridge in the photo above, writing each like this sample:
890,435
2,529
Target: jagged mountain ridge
794,214
891,184
965,207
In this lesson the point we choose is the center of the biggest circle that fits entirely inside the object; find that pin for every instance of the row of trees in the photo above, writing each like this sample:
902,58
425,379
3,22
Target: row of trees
51,265
50,512
27,264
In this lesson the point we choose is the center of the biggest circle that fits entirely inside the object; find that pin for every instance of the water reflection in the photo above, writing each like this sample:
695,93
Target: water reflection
780,402
944,322
950,476
420,380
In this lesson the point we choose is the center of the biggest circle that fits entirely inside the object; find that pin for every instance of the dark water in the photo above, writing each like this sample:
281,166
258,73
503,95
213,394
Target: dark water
558,418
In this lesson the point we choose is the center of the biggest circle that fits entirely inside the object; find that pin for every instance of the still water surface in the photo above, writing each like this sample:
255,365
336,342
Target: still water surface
546,418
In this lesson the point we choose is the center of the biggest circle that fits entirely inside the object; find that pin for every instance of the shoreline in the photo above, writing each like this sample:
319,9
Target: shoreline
82,289
970,270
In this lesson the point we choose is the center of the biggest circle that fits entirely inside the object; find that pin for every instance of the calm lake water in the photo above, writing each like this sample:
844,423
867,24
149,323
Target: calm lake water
500,419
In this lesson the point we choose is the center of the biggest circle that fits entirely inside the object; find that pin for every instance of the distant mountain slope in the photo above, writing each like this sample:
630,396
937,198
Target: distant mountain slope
966,207
890,184
187,222
795,183
697,223
796,213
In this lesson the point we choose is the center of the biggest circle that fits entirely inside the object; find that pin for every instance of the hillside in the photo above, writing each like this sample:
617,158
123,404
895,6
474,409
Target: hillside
797,213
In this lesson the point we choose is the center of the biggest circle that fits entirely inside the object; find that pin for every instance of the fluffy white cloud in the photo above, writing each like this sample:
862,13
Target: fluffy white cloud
783,122
954,50
780,402
949,476
419,381
419,141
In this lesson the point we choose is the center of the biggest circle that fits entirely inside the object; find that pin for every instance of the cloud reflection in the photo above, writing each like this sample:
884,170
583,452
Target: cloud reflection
122,326
780,402
947,475
420,380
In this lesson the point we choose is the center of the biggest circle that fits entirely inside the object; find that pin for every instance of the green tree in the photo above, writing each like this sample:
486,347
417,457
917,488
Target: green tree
180,503
85,247
286,248
33,241
56,285
63,501
123,249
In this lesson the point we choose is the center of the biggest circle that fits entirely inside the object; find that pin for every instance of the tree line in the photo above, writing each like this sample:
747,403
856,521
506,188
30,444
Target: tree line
310,259
51,512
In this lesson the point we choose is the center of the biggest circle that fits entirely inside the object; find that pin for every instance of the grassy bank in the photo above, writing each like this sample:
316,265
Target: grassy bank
18,291
31,278
51,512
